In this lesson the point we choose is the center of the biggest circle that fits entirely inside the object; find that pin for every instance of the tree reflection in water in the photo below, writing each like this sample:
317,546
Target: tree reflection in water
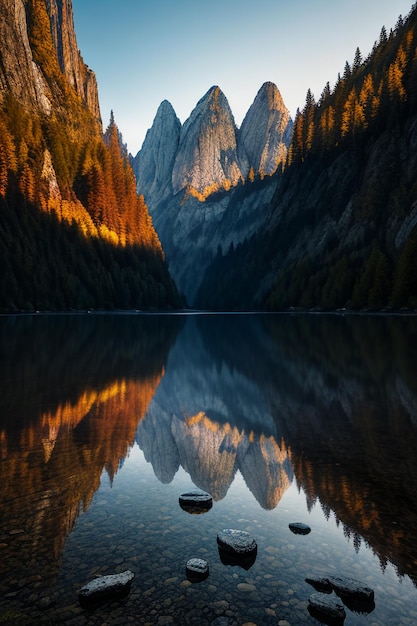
327,401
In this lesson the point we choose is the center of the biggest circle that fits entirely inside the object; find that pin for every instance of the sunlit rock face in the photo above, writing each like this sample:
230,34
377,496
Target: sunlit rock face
154,162
21,76
266,131
79,76
208,452
207,155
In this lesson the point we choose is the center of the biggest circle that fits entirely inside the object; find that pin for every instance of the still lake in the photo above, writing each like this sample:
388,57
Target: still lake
105,420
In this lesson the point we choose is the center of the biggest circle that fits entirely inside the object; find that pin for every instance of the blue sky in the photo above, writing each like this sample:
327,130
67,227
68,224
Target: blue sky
146,51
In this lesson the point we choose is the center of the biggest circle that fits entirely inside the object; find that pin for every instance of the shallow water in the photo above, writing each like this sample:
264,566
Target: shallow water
106,420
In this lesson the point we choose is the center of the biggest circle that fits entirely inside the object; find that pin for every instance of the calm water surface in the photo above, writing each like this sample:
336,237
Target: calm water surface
106,419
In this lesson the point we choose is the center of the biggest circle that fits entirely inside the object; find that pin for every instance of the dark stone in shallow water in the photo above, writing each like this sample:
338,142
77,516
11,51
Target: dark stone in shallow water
196,502
354,594
326,608
197,570
236,547
351,587
320,584
298,528
106,587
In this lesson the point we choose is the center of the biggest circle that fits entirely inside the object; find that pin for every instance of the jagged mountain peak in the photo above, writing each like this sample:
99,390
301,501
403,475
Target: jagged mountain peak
165,108
154,162
266,130
207,154
210,154
273,95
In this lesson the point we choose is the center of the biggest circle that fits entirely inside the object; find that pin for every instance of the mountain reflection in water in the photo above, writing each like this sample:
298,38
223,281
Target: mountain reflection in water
327,401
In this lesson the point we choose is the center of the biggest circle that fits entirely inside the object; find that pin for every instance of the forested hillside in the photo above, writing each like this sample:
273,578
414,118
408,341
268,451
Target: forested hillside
342,229
73,232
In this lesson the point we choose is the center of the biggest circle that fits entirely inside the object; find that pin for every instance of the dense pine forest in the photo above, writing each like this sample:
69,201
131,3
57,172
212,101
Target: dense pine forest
342,230
73,232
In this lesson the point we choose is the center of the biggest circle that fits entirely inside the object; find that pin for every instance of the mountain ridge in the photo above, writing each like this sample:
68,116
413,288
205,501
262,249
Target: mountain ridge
207,200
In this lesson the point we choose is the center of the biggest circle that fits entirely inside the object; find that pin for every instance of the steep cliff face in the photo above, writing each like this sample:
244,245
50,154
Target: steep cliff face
78,74
19,74
22,77
266,131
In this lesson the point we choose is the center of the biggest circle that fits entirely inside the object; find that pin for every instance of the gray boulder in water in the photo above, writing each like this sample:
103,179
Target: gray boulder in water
197,569
326,608
237,547
106,587
239,542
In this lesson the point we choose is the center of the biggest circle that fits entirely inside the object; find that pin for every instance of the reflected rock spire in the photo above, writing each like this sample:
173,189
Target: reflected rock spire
208,452
266,469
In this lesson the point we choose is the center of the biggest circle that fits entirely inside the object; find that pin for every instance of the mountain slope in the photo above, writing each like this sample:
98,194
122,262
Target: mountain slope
341,229
74,232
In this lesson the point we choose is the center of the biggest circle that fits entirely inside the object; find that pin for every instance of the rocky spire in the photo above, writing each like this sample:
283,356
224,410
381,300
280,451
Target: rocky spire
153,164
266,131
207,155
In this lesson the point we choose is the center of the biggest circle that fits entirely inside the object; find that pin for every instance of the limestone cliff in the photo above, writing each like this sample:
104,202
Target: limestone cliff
78,74
19,75
22,77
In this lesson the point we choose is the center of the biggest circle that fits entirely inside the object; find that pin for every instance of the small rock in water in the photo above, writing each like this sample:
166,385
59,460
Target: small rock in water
354,594
106,587
196,502
197,569
320,584
327,609
236,547
298,528
236,541
351,587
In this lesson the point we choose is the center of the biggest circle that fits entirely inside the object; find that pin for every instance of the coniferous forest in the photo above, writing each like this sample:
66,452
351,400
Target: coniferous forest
73,232
342,229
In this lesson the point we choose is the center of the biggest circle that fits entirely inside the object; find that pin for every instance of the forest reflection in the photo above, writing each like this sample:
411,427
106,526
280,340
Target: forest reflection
73,389
327,401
